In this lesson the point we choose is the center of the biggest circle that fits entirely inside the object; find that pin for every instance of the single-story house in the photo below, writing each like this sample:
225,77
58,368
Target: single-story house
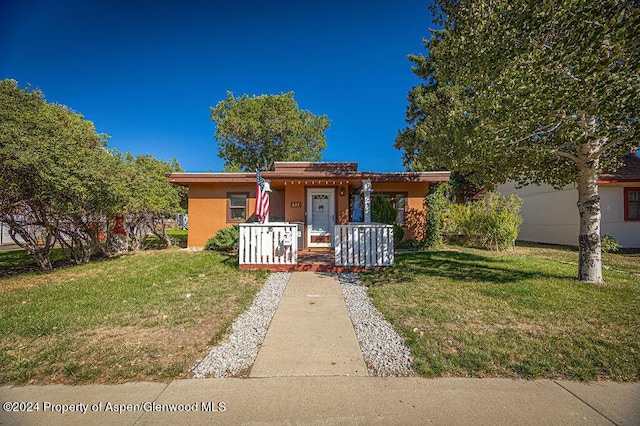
318,195
551,216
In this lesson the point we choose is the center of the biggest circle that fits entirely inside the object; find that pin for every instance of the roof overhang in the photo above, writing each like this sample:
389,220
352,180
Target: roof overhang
401,177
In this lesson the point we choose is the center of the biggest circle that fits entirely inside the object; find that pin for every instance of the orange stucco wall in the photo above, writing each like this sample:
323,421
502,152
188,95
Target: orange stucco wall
208,206
294,194
342,206
208,209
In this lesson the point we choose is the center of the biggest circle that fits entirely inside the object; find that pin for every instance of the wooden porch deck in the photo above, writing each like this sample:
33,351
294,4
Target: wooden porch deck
312,261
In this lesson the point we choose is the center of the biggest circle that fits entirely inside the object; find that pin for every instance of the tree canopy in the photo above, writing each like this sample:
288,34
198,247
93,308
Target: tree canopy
260,130
59,184
48,154
533,91
151,198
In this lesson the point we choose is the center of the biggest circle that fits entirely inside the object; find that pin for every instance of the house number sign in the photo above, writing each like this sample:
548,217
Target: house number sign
296,204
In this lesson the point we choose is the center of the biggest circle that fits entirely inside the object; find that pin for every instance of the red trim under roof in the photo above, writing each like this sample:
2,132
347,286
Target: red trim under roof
630,172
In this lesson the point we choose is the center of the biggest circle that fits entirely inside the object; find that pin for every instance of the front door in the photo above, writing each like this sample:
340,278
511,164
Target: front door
321,217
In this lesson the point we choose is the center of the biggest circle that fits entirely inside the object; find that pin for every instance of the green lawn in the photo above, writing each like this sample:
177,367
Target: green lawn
149,315
15,260
178,236
467,312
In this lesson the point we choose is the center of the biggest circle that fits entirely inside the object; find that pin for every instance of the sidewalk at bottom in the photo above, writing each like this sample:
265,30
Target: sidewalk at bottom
329,401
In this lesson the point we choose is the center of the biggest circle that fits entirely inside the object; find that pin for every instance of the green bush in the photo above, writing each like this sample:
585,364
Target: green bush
436,202
226,239
455,220
609,244
382,211
398,234
492,223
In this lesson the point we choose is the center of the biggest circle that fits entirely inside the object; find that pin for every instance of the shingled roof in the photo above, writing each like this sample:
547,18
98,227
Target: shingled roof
630,172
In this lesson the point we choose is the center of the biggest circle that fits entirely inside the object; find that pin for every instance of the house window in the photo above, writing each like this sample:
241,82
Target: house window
398,200
237,206
632,203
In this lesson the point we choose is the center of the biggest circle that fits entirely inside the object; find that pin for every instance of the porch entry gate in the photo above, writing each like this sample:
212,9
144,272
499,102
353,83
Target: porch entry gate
358,244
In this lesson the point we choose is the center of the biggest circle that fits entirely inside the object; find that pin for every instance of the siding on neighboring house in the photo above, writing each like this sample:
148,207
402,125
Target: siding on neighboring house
627,233
5,238
551,216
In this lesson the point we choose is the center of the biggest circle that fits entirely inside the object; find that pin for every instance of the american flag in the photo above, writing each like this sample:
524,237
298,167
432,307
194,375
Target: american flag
262,198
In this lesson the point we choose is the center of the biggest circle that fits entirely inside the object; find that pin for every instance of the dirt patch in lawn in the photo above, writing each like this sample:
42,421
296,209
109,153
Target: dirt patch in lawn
112,355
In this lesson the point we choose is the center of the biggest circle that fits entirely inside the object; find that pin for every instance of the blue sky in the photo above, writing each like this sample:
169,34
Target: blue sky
146,72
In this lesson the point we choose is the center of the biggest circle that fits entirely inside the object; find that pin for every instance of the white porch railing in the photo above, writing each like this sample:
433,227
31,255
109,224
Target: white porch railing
268,244
360,244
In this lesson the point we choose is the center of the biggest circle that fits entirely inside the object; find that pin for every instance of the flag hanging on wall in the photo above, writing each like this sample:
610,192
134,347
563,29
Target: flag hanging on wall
262,198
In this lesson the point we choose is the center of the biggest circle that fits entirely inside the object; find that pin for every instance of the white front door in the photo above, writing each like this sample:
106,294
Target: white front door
321,217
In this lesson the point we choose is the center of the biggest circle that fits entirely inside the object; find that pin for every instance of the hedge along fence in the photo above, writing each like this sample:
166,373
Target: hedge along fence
492,223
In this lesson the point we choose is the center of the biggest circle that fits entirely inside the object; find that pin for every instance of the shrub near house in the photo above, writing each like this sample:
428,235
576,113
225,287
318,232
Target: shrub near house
383,211
226,239
492,223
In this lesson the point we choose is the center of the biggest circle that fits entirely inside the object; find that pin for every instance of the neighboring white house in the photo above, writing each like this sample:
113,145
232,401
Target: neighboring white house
5,238
551,216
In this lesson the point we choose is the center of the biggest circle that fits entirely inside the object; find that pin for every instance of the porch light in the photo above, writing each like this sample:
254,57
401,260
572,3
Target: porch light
341,191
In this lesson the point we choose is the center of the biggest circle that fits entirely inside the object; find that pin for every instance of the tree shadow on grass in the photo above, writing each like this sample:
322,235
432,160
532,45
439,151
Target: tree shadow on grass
458,266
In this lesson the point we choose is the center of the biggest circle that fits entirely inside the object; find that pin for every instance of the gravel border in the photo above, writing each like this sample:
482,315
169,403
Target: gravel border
238,351
382,347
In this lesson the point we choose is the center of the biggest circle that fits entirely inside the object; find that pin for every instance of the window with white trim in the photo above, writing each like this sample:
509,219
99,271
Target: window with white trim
632,203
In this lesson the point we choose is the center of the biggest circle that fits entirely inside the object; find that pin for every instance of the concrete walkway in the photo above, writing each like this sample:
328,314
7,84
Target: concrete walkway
311,333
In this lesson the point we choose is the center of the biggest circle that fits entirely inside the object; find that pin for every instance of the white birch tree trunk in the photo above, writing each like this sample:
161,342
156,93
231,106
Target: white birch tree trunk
590,257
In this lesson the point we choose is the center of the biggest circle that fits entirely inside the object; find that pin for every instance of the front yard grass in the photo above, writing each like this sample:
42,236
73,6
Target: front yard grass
145,316
522,314
17,261
178,237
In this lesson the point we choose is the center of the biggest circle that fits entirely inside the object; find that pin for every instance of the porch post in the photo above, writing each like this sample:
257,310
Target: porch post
267,189
366,190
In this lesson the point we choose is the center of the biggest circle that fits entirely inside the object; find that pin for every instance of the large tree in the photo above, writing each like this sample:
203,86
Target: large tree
60,185
56,183
152,199
259,130
24,206
543,91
